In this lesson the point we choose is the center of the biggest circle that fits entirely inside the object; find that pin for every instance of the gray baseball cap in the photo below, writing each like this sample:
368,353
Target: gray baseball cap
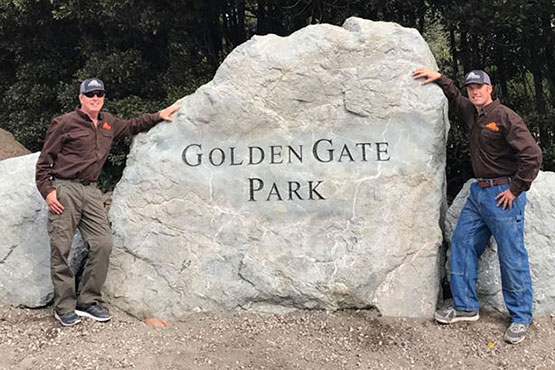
477,77
91,84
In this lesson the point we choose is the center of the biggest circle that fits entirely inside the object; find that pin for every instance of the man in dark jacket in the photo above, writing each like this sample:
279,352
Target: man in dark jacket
505,159
75,149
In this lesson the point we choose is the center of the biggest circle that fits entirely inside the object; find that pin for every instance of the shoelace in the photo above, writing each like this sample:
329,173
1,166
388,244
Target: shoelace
517,328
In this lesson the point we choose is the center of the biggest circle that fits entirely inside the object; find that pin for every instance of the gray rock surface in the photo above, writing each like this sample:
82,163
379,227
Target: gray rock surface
24,243
539,238
216,227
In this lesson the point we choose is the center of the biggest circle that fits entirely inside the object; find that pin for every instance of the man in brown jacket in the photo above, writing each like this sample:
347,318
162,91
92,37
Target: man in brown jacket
505,159
75,149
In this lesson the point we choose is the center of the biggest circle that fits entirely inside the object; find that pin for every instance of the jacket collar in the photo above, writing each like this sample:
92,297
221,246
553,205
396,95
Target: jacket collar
86,117
489,108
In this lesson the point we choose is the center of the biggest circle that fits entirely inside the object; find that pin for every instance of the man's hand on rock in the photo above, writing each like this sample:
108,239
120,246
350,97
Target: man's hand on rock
53,205
166,113
428,74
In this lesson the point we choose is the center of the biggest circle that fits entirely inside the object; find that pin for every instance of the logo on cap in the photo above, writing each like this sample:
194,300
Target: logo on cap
477,77
95,83
473,76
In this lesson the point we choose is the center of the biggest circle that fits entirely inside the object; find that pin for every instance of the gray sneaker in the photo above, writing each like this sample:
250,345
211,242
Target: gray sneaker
67,319
450,315
516,333
95,312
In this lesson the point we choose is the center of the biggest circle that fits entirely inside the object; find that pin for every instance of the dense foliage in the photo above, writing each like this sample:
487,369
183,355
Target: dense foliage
149,53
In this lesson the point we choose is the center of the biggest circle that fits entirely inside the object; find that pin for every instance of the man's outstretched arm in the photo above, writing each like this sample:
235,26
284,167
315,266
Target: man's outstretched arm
458,104
143,123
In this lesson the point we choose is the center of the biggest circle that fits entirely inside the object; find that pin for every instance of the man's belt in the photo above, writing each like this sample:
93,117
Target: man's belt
486,183
78,181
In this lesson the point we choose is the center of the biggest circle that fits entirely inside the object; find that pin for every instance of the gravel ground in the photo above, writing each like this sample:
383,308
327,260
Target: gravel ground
32,339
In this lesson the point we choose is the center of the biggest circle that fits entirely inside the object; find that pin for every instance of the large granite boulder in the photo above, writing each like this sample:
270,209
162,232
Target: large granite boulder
308,174
24,243
539,238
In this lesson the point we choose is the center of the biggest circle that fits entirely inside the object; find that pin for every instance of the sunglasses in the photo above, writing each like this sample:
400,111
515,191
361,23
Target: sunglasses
90,94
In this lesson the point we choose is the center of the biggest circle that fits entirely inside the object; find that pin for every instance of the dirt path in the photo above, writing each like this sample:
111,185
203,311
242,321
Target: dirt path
31,339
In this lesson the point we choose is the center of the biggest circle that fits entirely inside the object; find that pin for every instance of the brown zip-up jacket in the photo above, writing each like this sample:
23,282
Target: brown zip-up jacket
75,149
500,143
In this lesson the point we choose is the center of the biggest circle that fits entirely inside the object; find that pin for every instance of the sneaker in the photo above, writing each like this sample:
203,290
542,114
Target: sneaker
67,319
450,315
516,333
95,312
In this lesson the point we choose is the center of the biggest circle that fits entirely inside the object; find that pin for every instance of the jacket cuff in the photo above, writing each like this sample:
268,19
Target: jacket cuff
514,189
46,188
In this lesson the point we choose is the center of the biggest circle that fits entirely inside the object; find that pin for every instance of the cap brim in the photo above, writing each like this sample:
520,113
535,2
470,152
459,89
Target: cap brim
88,91
476,83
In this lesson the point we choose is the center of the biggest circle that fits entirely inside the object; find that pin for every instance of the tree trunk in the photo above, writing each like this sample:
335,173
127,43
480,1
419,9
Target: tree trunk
212,33
475,52
549,55
525,84
241,30
536,70
502,78
454,52
421,13
465,53
261,18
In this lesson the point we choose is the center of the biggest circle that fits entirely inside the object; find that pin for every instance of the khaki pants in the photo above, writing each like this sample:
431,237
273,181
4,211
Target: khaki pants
83,209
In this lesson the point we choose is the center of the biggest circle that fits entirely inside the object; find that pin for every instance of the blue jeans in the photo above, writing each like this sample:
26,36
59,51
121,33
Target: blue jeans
479,220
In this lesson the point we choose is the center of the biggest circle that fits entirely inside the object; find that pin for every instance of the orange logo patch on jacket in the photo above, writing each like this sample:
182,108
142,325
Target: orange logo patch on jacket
106,126
493,126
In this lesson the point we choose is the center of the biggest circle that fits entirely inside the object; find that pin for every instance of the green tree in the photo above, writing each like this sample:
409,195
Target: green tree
150,53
